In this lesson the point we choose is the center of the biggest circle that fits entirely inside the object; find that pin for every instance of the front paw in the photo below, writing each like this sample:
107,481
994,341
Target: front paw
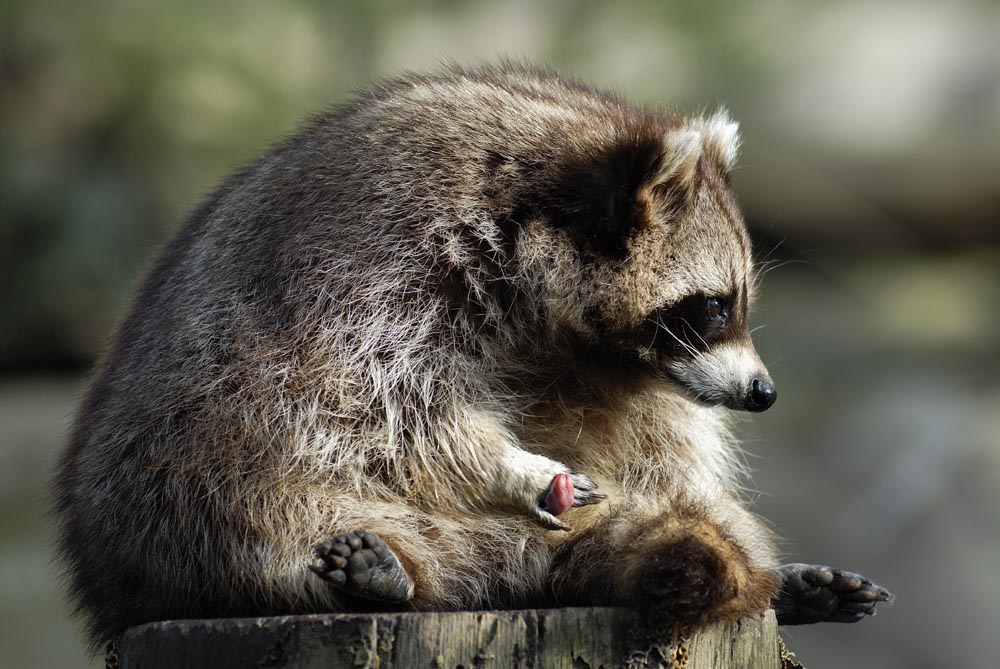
566,490
542,488
814,593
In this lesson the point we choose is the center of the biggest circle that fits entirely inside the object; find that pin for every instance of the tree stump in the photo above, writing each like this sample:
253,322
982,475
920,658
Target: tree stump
572,638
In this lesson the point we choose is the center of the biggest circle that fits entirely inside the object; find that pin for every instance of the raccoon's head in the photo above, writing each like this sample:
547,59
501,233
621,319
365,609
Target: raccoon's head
654,262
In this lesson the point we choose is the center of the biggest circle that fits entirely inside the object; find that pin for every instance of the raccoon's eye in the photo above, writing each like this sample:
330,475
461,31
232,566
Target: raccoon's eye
716,308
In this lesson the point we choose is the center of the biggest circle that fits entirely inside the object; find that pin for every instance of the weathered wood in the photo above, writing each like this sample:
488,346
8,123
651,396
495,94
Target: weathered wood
576,638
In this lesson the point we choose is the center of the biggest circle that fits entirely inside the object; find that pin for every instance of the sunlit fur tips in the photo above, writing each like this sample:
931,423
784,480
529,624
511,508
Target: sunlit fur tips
715,136
722,137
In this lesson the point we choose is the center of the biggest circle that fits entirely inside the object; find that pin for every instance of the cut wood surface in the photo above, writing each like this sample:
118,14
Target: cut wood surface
573,638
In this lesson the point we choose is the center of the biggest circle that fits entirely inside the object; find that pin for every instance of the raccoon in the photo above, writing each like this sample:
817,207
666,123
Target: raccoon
368,367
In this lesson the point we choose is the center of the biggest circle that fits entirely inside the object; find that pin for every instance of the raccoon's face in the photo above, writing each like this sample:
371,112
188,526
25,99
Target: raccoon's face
665,278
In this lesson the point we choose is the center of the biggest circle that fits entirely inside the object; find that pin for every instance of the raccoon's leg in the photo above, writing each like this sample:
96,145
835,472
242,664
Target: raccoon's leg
531,484
410,557
362,565
814,593
495,473
681,566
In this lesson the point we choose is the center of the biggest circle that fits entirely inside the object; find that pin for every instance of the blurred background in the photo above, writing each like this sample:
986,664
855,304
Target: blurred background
870,177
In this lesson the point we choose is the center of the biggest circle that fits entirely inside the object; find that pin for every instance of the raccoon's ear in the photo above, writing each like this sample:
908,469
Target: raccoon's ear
677,167
716,137
722,139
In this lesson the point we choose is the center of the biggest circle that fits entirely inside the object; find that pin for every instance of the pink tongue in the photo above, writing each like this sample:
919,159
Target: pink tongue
560,495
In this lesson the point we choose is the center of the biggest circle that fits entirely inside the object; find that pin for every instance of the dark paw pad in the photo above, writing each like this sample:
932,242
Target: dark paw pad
361,564
814,593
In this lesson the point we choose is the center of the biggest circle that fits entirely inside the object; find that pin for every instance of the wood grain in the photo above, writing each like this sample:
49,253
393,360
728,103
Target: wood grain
573,638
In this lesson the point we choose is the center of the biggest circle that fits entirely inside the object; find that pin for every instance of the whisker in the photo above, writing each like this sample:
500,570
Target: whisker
773,265
691,327
686,345
767,258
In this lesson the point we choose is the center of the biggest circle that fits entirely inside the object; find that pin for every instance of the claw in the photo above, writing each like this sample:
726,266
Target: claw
582,481
587,497
585,490
549,521
569,490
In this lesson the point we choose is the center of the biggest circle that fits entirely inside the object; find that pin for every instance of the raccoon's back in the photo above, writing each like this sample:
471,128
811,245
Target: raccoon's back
355,213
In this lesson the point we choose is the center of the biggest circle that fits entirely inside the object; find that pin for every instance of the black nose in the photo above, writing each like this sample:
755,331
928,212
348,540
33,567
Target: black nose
762,394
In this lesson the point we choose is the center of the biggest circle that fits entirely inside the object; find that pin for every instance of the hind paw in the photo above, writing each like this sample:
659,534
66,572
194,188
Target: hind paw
814,594
361,564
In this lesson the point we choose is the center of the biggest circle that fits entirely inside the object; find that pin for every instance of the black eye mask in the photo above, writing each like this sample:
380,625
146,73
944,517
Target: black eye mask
689,326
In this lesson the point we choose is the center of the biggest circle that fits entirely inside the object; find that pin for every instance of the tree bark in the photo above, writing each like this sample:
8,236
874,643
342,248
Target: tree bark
573,638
